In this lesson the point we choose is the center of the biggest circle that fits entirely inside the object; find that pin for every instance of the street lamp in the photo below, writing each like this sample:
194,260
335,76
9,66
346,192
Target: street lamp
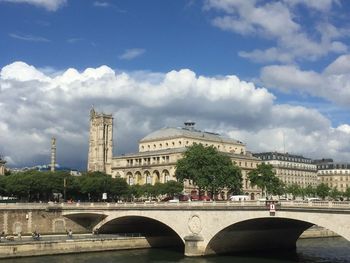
64,189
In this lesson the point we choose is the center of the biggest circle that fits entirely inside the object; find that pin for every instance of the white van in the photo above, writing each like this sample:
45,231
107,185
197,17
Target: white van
313,199
239,198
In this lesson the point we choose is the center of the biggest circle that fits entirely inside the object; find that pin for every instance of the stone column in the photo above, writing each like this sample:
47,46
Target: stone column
29,222
5,229
194,242
194,246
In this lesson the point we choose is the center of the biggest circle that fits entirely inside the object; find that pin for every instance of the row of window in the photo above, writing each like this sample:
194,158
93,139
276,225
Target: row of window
246,164
285,158
148,160
147,179
340,187
334,172
334,166
294,165
345,178
297,173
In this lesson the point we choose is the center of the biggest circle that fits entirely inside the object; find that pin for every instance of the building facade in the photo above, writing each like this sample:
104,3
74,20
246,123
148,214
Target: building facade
158,153
333,174
2,166
290,168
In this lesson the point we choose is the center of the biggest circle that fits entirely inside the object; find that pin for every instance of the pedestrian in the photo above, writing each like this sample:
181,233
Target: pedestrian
70,233
19,235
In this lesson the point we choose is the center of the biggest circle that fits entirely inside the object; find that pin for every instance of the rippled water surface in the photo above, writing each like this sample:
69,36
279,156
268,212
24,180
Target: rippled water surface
325,250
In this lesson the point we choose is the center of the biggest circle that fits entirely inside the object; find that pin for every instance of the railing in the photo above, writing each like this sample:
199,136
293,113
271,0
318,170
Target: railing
194,204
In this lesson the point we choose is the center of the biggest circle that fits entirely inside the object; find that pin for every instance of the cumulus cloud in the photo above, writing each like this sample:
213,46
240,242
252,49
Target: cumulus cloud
279,21
333,84
132,53
36,106
50,5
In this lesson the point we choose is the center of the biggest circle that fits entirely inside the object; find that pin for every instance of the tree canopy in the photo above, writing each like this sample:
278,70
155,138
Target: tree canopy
209,170
264,177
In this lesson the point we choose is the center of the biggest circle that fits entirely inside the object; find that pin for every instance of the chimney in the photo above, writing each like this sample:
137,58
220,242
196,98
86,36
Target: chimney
189,125
53,154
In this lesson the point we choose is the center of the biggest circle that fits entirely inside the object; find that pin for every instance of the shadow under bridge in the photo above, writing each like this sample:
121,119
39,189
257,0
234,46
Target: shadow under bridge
261,234
157,233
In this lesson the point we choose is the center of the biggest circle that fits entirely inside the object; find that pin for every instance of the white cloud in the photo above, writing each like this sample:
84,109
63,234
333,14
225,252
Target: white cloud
278,21
333,84
50,5
35,106
30,38
268,55
339,67
101,4
132,53
320,5
74,40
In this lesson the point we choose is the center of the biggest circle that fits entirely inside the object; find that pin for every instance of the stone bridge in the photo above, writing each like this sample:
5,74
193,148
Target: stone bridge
204,228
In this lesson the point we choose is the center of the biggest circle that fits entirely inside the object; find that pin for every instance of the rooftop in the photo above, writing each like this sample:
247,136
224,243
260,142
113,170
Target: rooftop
188,131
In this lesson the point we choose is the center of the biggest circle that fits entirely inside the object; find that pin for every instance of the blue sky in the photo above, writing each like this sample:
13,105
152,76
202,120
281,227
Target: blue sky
291,55
174,35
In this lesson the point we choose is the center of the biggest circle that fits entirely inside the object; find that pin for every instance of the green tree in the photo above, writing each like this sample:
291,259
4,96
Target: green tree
294,189
347,193
310,191
208,169
119,188
136,191
94,184
322,190
264,177
334,193
149,191
171,188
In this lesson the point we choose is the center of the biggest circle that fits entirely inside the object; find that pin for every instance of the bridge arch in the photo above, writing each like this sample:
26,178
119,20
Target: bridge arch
261,232
157,232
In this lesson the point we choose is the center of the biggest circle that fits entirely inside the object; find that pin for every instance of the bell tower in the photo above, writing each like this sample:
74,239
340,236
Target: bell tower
100,142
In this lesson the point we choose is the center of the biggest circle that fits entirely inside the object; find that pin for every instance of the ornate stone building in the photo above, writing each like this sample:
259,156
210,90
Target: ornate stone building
333,174
290,168
2,166
100,142
158,153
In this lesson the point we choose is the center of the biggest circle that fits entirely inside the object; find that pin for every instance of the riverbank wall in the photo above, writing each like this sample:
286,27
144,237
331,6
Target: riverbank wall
318,232
40,248
53,247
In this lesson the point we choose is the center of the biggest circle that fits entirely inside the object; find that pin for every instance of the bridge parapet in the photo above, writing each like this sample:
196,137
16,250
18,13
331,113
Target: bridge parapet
180,205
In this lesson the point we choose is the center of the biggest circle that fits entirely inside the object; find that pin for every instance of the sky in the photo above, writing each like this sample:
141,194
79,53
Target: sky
273,74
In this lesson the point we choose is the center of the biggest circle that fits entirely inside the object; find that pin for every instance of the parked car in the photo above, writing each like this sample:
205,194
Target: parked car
183,198
239,197
313,199
200,198
166,199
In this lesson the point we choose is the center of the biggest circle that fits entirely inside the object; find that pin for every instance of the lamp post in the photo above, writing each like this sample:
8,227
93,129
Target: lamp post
64,189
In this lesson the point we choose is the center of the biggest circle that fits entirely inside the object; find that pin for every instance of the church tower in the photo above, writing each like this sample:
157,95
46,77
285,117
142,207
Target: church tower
100,142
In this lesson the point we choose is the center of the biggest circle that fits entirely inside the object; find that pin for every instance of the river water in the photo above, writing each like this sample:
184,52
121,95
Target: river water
321,250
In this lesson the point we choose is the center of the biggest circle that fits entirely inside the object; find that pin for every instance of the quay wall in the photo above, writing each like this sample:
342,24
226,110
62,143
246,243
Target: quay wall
40,248
44,221
318,232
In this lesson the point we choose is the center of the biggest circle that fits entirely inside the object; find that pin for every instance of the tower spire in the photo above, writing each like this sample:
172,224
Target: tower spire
100,142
